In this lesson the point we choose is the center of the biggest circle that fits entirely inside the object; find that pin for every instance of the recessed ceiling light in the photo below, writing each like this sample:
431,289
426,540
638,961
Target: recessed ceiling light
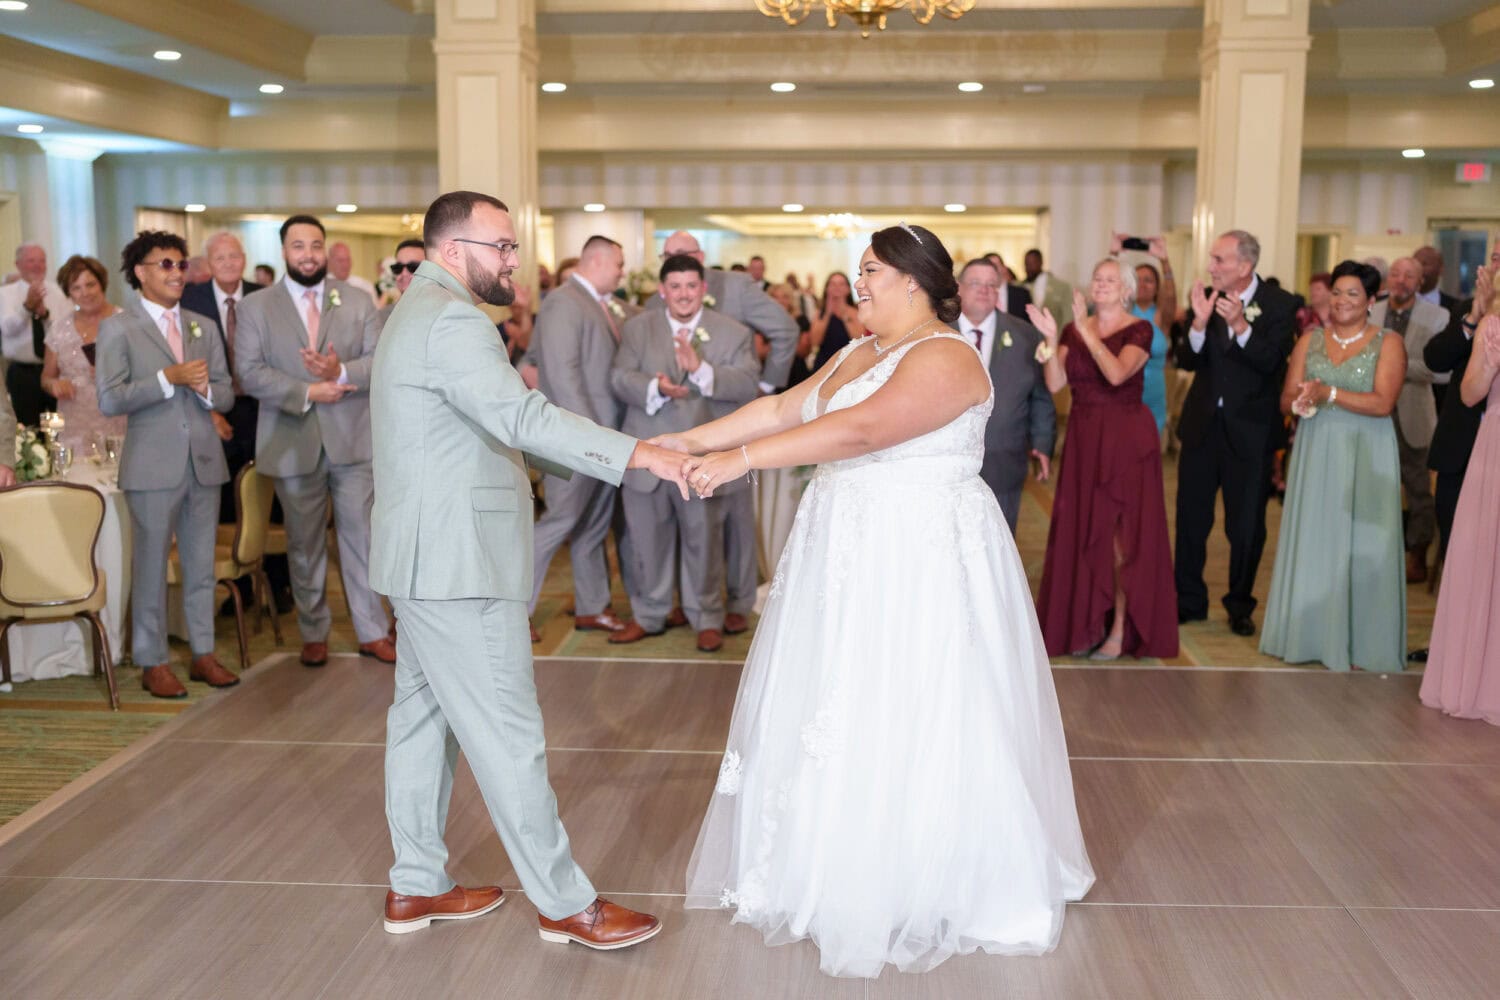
166,55
783,87
12,5
346,208
554,88
954,206
1483,83
593,206
971,86
1414,154
29,129
791,206
1033,88
271,88
195,207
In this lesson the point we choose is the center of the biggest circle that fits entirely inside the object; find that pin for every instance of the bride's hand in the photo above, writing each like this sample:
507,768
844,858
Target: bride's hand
677,442
706,473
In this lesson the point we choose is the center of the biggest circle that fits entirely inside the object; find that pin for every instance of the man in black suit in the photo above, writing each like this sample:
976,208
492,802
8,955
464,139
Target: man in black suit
1431,260
1023,422
1242,332
220,298
1013,298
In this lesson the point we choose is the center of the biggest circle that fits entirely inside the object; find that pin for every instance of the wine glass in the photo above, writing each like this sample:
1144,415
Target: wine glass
112,449
62,460
93,449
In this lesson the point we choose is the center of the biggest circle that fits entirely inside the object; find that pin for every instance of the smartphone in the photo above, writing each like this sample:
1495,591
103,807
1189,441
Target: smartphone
1134,243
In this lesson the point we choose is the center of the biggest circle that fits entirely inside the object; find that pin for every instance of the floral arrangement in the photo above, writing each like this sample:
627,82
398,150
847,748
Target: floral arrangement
33,460
641,284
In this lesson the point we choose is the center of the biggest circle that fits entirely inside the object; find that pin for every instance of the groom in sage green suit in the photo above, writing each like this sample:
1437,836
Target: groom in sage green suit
452,548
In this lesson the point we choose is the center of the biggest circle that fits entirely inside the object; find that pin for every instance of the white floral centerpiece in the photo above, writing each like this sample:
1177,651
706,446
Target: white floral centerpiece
641,284
33,460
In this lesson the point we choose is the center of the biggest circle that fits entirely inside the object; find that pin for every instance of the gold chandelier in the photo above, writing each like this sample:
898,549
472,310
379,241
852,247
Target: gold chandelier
867,14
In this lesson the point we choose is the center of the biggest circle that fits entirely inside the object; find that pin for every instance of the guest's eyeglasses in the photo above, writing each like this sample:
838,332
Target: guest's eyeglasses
410,267
167,264
506,249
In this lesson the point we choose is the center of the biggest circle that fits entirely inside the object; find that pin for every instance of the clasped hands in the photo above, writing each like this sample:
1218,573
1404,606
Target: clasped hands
192,374
688,360
325,368
1204,305
703,472
1310,395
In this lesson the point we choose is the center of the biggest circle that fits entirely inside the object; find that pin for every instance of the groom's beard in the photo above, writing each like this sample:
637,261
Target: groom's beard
491,288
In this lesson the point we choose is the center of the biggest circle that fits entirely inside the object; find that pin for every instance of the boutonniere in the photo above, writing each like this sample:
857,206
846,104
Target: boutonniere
333,297
1005,340
700,337
1043,353
1252,312
194,329
710,301
615,309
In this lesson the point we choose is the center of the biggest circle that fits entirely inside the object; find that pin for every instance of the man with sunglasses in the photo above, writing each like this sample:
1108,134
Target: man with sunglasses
409,254
163,366
305,348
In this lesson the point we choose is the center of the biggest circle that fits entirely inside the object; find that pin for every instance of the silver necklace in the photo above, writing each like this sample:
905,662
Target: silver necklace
1345,341
880,351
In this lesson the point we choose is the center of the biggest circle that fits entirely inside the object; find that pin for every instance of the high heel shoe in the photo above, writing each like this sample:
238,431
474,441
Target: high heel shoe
1099,656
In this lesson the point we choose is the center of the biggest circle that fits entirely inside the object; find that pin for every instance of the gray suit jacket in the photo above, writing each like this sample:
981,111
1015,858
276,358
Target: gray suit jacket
453,513
646,348
289,435
162,435
737,296
574,348
1416,410
1024,416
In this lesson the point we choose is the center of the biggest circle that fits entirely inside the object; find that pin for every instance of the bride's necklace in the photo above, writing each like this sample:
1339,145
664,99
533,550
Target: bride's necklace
881,351
1344,342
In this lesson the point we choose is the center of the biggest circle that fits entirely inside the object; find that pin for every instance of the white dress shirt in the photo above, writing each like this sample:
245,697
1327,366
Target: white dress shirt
297,290
703,378
987,335
158,316
1435,296
15,319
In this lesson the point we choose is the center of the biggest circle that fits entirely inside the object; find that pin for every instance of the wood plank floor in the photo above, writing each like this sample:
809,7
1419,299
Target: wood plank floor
1256,833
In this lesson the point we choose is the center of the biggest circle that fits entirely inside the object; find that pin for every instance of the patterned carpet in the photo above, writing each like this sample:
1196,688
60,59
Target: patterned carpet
53,731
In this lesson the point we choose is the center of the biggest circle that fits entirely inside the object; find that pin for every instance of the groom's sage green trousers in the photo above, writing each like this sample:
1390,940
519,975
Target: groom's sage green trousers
464,681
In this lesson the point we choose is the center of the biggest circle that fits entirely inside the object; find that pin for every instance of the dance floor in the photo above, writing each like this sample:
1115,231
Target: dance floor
1257,833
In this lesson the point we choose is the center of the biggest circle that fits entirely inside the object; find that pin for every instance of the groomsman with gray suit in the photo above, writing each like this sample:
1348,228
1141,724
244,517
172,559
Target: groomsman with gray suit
164,367
305,349
1023,423
673,364
741,298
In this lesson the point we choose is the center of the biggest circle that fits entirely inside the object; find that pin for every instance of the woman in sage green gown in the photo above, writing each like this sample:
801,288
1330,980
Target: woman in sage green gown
1338,590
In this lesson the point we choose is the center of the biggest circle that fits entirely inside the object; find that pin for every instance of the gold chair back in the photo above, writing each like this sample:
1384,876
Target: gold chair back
47,536
253,495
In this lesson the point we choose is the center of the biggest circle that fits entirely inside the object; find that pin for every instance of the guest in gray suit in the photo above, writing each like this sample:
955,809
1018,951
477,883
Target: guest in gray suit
1023,423
164,367
452,549
409,255
577,333
305,348
741,298
673,364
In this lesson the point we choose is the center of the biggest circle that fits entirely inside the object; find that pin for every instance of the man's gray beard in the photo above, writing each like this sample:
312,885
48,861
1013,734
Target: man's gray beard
307,280
490,287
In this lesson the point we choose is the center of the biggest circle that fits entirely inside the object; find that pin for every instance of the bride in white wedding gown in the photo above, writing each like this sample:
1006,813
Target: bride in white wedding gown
896,784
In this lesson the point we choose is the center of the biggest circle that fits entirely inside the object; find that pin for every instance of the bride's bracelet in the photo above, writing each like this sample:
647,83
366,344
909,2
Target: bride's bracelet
749,469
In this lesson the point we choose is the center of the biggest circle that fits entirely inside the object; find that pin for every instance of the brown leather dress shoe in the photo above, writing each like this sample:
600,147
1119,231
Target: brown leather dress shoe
603,621
382,649
630,633
604,926
710,640
404,914
735,624
314,654
162,683
676,618
208,670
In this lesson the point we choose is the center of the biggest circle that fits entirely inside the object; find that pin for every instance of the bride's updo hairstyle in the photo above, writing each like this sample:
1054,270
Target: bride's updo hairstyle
919,255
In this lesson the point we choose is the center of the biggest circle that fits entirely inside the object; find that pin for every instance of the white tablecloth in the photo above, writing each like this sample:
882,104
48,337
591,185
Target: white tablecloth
55,649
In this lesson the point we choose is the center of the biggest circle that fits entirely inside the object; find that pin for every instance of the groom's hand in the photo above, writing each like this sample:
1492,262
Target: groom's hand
675,442
662,463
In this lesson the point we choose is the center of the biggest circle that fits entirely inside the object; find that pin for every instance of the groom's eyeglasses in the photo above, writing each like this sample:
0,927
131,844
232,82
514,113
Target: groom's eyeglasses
506,249
410,267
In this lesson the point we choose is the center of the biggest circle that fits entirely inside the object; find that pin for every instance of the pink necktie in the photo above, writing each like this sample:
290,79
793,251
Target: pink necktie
609,317
312,318
174,336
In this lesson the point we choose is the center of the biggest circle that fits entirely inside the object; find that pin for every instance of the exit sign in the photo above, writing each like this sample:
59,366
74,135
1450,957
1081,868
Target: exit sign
1473,173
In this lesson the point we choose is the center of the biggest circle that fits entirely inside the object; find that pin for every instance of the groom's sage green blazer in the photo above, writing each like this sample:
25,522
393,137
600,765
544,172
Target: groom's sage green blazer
450,421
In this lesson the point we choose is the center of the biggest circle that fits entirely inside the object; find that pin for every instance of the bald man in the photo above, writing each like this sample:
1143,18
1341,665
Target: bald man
341,266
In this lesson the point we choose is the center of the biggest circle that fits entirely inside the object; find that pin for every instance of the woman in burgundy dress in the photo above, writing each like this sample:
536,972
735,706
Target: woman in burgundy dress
1107,586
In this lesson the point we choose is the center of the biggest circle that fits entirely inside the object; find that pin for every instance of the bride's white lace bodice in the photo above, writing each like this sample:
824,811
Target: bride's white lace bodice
952,453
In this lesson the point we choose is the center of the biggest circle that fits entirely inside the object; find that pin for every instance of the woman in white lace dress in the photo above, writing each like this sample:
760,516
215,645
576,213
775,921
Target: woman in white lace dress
896,784
68,368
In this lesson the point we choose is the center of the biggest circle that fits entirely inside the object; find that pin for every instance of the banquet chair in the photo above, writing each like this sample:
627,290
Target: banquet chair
47,566
239,550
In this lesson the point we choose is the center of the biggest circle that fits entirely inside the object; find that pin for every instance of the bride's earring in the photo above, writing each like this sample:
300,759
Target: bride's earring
908,296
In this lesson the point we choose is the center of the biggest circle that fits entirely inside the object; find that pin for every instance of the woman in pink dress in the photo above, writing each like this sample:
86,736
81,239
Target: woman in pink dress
68,369
1463,665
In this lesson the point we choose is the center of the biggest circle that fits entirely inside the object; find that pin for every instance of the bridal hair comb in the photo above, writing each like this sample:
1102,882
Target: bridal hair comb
911,232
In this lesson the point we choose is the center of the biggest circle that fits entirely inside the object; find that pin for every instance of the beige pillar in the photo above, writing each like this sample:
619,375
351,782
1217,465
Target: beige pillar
1254,78
486,103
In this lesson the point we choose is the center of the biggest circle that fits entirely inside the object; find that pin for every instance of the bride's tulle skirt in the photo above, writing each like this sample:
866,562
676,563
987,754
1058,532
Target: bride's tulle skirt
896,784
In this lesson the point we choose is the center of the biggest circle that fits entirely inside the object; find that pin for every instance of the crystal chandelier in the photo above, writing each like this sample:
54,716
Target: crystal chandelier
867,14
838,226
